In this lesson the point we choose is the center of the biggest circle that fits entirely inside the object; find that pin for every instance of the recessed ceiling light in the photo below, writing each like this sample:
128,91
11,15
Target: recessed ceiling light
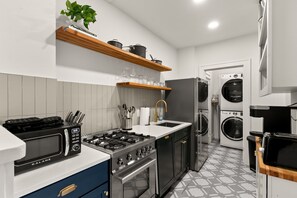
213,25
198,1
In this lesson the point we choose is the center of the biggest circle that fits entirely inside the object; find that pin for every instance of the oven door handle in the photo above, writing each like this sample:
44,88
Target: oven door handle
138,170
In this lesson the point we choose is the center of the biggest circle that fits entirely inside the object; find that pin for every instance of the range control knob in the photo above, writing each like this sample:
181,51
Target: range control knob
129,157
75,147
143,150
151,148
120,162
138,153
148,149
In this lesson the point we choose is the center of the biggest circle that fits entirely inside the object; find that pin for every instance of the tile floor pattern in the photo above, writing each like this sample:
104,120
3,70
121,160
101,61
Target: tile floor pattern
223,175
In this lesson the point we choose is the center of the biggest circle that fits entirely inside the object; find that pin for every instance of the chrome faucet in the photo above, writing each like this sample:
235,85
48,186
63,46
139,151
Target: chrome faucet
157,117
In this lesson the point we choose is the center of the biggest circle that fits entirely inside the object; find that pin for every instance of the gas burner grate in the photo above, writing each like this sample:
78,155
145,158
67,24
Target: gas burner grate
114,145
115,140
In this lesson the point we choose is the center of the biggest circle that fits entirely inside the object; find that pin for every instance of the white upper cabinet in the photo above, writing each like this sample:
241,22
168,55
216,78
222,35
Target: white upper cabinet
278,46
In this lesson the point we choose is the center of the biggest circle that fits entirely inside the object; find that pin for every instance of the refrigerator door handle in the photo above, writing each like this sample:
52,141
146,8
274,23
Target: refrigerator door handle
196,124
199,123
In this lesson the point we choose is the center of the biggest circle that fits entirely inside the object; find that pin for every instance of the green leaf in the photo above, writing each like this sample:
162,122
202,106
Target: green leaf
89,19
86,24
68,4
78,17
85,7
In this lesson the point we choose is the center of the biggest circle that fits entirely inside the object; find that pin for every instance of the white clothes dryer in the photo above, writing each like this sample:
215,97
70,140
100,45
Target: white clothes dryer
231,129
231,92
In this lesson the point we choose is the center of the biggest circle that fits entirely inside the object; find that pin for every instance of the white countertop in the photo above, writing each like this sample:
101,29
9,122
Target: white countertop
31,181
11,147
159,131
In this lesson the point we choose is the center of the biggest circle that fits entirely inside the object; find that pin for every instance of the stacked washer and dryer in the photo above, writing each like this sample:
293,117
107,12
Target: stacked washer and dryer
203,110
231,120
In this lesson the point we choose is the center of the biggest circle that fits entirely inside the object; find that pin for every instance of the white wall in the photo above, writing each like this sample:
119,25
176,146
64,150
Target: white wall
294,97
28,38
77,64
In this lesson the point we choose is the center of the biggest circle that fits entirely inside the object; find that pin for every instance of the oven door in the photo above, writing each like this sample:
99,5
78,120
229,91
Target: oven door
137,181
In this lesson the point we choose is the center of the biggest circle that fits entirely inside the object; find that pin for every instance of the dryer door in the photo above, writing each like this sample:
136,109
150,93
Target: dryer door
232,128
204,121
232,90
202,91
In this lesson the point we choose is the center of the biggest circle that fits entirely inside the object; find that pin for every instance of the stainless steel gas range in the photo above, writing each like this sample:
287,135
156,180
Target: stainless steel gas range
133,162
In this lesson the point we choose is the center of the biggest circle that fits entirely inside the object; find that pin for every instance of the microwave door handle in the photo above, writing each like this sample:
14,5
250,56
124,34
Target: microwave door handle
129,176
66,133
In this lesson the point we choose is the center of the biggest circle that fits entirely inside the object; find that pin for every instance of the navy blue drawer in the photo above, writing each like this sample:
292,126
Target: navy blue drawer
84,181
100,192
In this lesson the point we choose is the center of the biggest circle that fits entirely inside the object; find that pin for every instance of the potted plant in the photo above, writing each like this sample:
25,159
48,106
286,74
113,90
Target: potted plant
82,15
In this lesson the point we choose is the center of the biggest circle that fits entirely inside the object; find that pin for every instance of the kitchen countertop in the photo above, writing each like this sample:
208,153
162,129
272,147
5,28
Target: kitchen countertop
159,131
31,181
11,147
271,170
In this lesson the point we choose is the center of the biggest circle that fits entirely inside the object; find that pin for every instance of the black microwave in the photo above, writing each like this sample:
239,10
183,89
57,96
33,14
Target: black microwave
49,145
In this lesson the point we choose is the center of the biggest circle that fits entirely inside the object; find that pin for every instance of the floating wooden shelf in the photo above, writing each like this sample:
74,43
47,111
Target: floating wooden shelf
142,86
83,40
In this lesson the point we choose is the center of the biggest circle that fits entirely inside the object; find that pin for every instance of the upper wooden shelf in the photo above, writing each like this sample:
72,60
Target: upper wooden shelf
86,41
142,86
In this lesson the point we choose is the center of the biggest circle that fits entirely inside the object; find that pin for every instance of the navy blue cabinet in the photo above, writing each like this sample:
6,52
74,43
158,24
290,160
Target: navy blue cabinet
93,180
100,192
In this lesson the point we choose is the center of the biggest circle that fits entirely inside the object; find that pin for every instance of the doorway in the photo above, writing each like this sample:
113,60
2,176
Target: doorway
213,72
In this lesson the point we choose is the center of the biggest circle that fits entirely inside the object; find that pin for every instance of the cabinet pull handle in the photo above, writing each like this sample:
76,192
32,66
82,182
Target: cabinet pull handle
183,142
105,193
67,190
166,137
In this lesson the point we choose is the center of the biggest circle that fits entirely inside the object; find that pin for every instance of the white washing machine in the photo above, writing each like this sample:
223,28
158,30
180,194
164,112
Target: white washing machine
231,92
231,129
202,94
203,125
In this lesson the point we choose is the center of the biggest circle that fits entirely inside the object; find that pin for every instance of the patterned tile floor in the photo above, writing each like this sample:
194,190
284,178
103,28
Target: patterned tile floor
223,175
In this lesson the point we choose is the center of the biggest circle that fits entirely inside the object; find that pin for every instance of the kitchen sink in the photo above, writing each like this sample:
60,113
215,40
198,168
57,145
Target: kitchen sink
168,124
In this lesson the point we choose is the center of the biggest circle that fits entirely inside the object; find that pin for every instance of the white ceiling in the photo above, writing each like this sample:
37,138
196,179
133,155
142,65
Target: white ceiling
183,23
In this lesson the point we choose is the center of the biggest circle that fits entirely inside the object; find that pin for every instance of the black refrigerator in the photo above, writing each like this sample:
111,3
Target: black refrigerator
184,105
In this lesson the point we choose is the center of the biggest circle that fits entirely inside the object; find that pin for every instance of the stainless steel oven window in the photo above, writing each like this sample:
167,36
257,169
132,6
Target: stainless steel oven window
138,185
139,181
